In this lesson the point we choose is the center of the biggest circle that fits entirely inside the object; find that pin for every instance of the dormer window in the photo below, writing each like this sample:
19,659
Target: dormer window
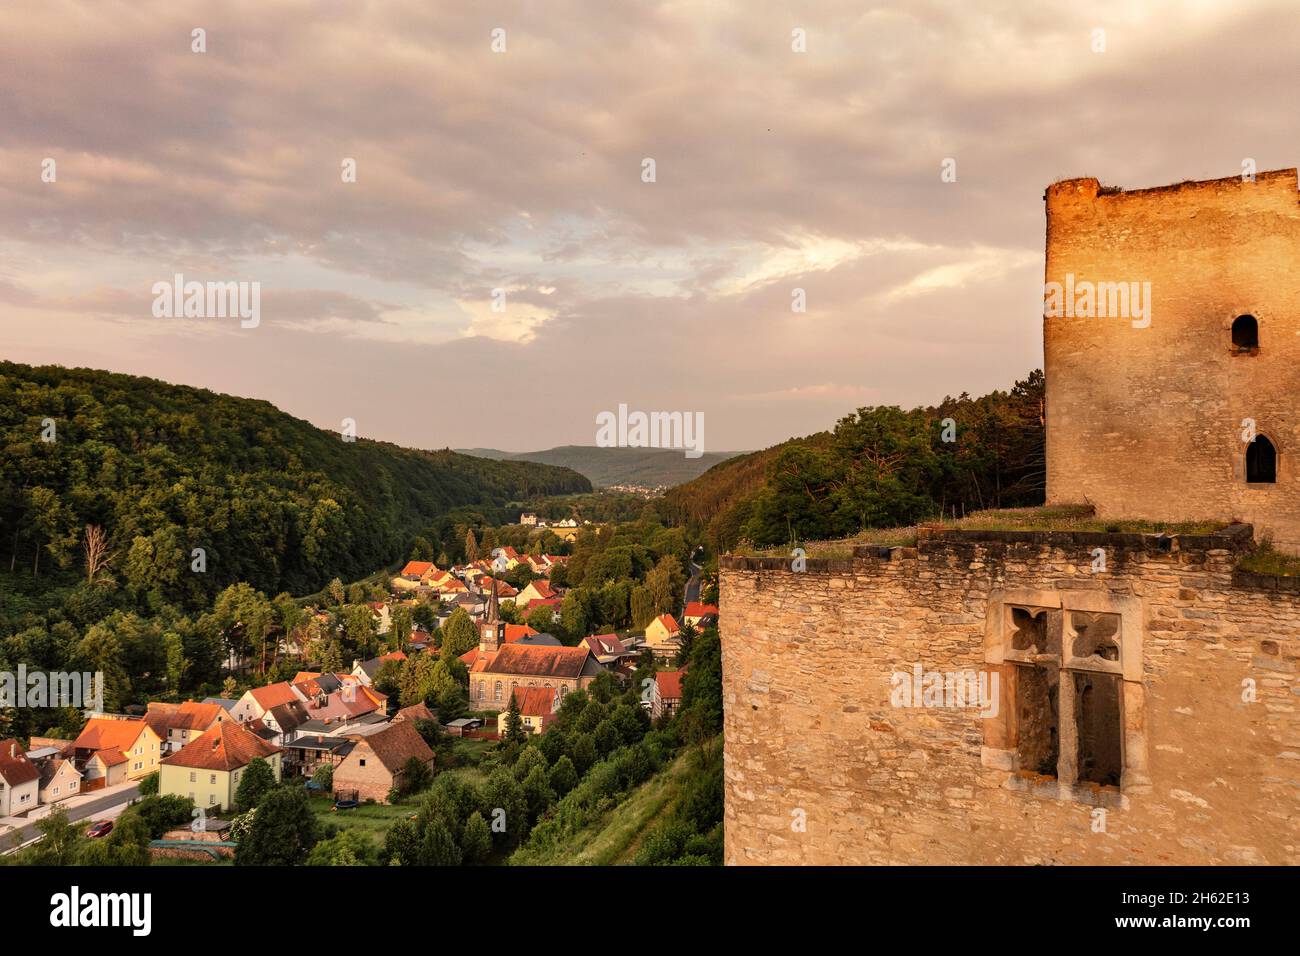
1245,335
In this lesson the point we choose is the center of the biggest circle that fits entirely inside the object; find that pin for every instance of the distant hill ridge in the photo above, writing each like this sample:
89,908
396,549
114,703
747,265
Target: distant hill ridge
646,467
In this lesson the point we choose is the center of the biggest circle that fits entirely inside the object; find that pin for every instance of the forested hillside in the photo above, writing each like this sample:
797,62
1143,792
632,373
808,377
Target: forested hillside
879,467
272,500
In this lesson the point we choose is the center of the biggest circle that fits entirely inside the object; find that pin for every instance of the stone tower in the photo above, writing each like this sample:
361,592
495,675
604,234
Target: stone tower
492,632
1171,347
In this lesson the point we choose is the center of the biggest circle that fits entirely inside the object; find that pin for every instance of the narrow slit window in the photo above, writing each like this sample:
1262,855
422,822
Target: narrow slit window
1261,462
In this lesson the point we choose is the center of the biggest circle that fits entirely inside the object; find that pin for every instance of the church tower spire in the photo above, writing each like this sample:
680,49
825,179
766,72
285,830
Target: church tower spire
492,632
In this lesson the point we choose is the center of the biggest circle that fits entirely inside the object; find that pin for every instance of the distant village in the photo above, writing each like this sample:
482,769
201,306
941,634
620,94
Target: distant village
201,748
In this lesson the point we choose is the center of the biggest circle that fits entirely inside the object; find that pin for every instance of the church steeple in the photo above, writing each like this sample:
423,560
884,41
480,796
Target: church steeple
492,632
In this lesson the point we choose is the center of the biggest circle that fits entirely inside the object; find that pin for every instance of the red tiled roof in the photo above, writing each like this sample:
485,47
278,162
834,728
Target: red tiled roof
111,757
533,660
697,609
543,588
670,622
535,701
514,632
273,695
15,768
226,746
192,715
670,684
393,656
417,711
417,569
159,716
396,745
105,733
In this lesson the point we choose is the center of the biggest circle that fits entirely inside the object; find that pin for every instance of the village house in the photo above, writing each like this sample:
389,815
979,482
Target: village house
208,769
283,720
513,633
415,575
60,778
178,724
665,693
306,752
376,765
699,615
539,590
19,780
500,667
365,671
383,617
663,636
417,711
257,701
537,707
116,741
608,649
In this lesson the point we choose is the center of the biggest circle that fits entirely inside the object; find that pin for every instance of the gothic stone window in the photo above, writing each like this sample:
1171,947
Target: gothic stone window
1070,719
1261,462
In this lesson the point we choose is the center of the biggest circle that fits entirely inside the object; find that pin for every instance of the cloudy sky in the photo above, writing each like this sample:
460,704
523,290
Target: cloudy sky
522,170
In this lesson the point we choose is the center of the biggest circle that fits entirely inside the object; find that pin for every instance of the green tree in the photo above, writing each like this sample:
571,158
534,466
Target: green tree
513,721
563,777
459,634
416,776
476,841
507,808
438,848
347,848
283,830
127,845
255,782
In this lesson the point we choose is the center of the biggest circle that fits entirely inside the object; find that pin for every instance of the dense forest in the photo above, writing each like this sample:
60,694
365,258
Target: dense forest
879,467
272,500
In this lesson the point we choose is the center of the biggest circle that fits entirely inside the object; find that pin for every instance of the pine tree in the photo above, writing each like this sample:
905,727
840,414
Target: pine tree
514,723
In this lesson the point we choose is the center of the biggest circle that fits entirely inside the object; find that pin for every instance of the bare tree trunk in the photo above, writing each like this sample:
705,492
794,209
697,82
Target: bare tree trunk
98,557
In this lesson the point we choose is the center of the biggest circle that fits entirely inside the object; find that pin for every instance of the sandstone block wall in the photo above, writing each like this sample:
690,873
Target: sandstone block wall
1146,422
821,769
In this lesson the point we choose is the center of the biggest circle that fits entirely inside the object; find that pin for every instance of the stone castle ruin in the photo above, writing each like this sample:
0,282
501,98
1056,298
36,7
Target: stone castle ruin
1137,708
1149,416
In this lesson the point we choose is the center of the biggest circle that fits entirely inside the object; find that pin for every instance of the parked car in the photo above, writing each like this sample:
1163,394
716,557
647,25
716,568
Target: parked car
100,829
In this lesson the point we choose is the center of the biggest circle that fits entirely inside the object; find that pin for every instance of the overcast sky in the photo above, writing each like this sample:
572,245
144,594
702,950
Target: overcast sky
523,170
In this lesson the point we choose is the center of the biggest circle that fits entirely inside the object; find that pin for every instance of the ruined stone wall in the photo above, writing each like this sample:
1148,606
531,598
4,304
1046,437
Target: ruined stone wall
1146,422
812,739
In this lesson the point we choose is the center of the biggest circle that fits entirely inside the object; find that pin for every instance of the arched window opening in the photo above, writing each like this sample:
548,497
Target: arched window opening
1261,462
1245,333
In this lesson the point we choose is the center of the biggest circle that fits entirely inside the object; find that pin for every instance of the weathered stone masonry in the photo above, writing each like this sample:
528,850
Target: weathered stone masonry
1147,422
1208,777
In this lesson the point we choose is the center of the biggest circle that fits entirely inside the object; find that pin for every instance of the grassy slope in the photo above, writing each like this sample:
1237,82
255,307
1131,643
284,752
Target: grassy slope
617,836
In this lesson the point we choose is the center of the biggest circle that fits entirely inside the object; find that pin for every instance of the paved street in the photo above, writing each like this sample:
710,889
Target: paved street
107,805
